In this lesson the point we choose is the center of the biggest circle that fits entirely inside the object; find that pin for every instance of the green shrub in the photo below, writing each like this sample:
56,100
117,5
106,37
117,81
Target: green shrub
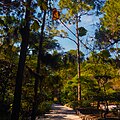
73,104
85,103
44,107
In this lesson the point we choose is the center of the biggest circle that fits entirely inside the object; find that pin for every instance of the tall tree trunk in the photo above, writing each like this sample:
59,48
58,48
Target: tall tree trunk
36,85
21,64
78,59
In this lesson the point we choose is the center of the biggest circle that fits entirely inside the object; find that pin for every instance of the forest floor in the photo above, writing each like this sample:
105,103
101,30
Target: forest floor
59,112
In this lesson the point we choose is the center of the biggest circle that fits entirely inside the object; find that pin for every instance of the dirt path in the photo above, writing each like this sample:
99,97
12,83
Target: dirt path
59,112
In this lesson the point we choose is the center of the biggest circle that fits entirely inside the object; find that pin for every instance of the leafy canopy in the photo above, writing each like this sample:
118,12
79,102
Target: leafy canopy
111,19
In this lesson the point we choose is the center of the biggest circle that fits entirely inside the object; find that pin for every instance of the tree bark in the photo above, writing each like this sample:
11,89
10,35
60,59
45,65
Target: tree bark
78,59
21,64
36,85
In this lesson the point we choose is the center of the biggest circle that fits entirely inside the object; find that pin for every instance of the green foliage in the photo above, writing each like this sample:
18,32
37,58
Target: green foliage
69,92
99,76
73,7
85,103
105,54
97,79
7,71
44,107
70,9
111,17
42,4
108,33
73,104
82,31
35,26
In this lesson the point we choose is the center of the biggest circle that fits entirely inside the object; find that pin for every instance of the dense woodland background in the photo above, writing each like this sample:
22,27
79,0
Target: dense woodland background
34,69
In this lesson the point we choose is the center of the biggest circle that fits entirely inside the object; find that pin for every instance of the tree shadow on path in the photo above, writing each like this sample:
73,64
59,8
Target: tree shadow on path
59,112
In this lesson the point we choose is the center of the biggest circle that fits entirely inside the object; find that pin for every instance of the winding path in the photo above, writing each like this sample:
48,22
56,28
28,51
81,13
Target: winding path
59,112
